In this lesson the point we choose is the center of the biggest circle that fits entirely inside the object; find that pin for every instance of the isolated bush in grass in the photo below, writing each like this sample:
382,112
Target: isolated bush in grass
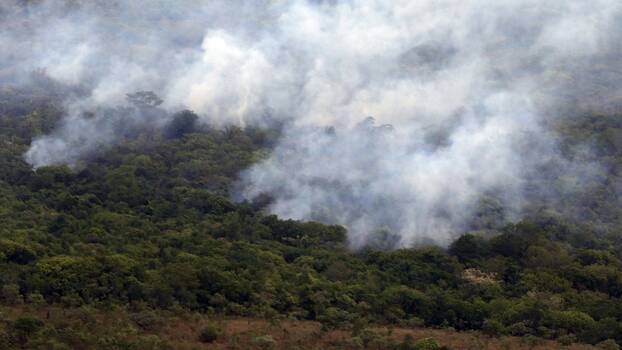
264,342
608,344
210,333
148,320
427,344
25,327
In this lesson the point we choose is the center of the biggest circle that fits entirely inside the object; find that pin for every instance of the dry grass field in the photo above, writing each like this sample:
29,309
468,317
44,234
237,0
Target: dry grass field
182,330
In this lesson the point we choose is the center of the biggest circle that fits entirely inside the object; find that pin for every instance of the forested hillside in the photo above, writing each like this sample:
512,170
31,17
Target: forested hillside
148,227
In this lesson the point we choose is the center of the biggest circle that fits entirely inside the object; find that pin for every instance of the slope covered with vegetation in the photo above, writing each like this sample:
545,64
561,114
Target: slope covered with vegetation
148,226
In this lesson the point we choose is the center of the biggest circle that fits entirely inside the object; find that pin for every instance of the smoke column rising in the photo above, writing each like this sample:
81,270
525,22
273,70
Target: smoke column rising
455,89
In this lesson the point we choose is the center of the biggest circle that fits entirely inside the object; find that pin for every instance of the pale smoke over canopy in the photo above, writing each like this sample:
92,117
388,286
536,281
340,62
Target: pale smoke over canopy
463,85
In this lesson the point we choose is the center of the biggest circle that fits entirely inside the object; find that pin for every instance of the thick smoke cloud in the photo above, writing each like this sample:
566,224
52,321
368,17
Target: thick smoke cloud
459,90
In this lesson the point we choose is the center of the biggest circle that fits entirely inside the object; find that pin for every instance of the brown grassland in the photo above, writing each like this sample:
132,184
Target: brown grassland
181,330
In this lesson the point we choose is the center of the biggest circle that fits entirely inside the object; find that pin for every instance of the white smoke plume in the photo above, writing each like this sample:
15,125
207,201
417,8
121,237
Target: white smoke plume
459,91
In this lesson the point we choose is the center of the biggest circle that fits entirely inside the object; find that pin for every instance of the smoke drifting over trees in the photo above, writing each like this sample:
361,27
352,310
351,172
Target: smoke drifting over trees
467,87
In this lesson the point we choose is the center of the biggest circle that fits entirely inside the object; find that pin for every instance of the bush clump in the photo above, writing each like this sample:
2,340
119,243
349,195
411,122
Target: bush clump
264,342
210,333
567,339
608,344
427,344
148,320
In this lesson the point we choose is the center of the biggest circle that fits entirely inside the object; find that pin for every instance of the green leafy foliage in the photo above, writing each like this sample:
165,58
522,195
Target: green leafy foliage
150,224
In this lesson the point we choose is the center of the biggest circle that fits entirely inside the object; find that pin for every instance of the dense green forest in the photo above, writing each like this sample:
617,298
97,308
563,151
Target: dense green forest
148,225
